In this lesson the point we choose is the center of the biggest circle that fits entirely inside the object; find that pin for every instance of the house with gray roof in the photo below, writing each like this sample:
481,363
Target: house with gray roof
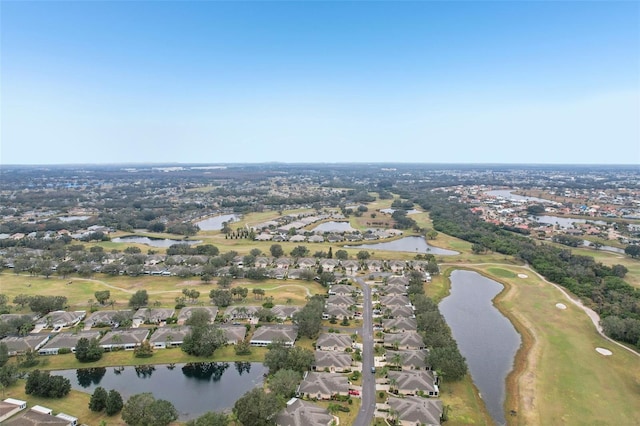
409,360
66,340
333,342
307,263
285,312
107,318
168,337
151,316
323,385
332,361
18,345
350,266
187,311
414,382
394,289
37,418
268,334
397,265
125,339
241,312
374,265
395,300
61,319
414,410
396,279
262,262
397,311
233,333
328,265
338,311
283,263
344,301
343,290
399,325
316,239
9,407
409,340
303,413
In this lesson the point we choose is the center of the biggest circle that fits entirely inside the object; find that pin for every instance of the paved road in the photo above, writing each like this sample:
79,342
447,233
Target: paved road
365,415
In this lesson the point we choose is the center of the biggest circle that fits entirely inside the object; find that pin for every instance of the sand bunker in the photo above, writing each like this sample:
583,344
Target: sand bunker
603,351
561,306
523,276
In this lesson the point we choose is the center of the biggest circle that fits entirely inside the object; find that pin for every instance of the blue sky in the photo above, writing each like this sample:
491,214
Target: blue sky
443,82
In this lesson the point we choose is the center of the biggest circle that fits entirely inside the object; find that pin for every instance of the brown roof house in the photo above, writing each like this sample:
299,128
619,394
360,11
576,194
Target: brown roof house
333,342
413,410
303,413
414,382
332,361
39,416
323,385
9,407
409,340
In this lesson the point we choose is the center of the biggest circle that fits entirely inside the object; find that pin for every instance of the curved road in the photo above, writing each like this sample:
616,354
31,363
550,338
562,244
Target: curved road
365,415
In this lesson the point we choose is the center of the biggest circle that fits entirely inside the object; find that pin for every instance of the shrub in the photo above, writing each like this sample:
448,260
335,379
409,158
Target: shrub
63,351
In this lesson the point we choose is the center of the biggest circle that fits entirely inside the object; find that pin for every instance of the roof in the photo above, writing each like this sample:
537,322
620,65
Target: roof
414,380
24,343
303,413
332,359
285,311
410,358
233,333
401,311
334,339
62,317
105,317
324,383
400,323
417,410
341,300
169,334
249,310
153,314
274,333
186,312
395,300
34,418
69,340
127,337
408,338
343,289
336,310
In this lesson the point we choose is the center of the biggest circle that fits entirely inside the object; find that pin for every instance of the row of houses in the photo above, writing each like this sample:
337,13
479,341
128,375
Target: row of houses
13,412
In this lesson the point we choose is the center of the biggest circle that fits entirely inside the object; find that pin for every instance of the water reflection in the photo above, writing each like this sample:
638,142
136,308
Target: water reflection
144,371
207,371
90,376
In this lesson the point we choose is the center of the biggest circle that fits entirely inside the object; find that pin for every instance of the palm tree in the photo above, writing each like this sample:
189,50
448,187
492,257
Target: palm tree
396,360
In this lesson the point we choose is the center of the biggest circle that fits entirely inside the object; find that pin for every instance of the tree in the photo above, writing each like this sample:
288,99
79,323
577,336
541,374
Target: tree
114,402
88,350
221,298
363,255
342,255
199,318
330,253
4,354
432,234
294,358
210,418
632,250
257,408
276,250
102,296
22,300
224,281
40,383
144,410
144,350
203,341
300,251
9,374
98,401
309,318
139,299
285,382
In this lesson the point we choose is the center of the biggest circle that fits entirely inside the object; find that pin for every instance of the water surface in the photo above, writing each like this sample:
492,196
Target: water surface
215,223
192,388
408,244
153,242
333,226
485,337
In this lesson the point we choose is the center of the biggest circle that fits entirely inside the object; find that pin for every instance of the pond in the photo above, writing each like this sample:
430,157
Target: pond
485,337
192,388
392,211
72,218
564,222
215,223
333,226
508,195
153,242
409,244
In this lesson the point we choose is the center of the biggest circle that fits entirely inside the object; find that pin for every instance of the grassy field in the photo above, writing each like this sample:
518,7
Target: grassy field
610,259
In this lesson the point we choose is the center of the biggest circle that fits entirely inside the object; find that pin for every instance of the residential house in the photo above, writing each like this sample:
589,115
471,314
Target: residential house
350,266
168,337
262,262
374,265
336,311
241,312
397,265
67,341
413,410
395,279
307,263
409,360
268,334
343,290
285,312
60,319
35,417
414,382
397,311
316,239
283,263
395,300
18,345
323,385
395,290
328,265
107,318
298,239
233,333
9,407
186,312
409,340
332,361
151,316
333,342
399,325
344,301
124,339
303,413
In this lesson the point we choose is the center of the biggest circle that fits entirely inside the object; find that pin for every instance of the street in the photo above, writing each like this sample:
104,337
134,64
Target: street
365,415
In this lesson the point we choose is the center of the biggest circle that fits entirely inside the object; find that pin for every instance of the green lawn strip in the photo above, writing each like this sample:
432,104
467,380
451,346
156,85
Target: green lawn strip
345,418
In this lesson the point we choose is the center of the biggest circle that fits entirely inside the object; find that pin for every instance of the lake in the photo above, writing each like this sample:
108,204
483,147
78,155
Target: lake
153,242
508,195
72,218
215,223
193,388
409,244
485,337
333,226
392,211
